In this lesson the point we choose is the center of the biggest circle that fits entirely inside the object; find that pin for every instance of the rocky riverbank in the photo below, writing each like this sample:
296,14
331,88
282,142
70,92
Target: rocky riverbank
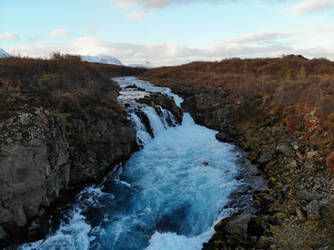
61,128
297,210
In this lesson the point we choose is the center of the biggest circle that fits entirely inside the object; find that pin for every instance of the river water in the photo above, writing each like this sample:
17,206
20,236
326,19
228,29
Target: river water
169,195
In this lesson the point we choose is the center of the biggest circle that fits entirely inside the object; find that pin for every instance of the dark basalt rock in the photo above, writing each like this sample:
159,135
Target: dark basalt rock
224,137
45,153
166,102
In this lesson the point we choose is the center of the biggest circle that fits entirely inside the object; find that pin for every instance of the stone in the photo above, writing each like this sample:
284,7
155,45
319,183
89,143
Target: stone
313,210
235,224
309,155
284,149
291,165
224,137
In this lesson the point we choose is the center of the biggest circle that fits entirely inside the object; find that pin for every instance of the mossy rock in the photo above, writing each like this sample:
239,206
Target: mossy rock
263,198
277,218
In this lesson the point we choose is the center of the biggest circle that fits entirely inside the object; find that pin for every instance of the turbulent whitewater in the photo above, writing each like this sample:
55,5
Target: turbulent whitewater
169,195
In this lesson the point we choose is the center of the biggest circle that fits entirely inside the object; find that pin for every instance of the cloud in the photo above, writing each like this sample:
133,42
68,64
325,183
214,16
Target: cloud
136,15
58,33
147,4
262,36
309,6
9,36
311,42
126,3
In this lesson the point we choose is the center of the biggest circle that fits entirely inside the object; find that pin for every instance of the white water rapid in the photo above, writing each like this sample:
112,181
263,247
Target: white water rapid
169,195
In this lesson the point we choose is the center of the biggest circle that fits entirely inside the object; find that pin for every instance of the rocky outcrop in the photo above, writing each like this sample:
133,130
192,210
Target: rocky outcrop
44,153
35,166
157,100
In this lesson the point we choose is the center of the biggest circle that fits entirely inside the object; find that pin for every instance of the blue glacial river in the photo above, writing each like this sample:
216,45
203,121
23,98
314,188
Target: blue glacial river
169,195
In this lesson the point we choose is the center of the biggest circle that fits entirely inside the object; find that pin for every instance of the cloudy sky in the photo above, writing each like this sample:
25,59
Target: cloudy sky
168,32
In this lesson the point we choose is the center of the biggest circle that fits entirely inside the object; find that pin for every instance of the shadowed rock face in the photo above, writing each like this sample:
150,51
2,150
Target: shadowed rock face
34,166
43,153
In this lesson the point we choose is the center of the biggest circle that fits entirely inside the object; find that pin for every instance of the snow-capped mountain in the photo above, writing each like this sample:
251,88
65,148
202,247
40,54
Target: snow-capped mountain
147,65
102,59
4,54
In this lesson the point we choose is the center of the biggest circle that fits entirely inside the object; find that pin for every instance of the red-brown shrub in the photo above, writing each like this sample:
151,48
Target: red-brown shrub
330,162
292,123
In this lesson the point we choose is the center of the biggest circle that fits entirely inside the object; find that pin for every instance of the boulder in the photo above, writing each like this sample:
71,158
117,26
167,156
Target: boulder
236,224
224,137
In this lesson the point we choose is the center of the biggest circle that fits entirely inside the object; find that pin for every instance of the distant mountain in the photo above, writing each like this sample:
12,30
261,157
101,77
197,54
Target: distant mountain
4,54
102,59
143,65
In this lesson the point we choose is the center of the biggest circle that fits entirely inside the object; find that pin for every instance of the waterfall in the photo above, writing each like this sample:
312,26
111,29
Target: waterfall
143,137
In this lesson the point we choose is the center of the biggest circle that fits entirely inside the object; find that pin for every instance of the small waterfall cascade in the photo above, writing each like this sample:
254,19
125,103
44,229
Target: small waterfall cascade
149,121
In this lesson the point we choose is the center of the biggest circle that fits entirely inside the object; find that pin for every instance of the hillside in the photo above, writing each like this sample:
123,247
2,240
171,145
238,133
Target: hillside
280,110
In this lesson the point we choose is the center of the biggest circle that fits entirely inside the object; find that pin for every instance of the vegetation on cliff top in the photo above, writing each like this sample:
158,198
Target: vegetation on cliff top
56,83
291,91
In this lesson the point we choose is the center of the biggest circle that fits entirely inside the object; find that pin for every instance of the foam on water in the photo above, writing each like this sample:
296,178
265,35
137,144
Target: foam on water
179,183
143,137
129,81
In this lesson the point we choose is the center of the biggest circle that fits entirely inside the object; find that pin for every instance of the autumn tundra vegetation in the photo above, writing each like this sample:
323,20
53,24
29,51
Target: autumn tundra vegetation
61,80
293,90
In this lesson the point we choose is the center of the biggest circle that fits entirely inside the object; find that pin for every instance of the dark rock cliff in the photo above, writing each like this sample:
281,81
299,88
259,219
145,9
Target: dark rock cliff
44,153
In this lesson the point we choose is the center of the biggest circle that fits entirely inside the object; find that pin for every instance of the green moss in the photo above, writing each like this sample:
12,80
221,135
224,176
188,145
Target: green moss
81,140
277,218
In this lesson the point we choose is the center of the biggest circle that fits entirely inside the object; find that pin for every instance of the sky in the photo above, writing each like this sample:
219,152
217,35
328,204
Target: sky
168,32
